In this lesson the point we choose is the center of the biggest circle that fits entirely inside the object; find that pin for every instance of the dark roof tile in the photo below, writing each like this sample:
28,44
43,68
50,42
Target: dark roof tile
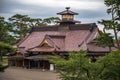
67,11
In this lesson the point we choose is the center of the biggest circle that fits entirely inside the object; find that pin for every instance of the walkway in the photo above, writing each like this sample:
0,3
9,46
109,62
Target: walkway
27,74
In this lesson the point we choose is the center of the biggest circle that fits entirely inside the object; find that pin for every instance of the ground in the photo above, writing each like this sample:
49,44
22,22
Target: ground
27,74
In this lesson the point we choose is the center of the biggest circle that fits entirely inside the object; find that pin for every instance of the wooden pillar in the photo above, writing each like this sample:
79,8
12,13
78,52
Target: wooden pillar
43,69
29,66
9,62
15,63
38,64
23,63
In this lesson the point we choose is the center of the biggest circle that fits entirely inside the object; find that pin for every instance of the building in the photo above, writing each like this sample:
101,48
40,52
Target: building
70,35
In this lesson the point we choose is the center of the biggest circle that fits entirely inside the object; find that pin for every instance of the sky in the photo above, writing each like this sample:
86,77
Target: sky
90,11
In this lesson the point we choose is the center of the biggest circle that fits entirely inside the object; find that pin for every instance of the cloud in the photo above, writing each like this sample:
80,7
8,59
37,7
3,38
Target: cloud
89,10
1,5
76,4
92,13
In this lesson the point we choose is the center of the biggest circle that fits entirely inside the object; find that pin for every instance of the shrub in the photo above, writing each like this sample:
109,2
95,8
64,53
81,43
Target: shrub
3,67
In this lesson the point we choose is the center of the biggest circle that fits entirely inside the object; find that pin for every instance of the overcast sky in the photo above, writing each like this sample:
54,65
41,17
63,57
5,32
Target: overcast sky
89,10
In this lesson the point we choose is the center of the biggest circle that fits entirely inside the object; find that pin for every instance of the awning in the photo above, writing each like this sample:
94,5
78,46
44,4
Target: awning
42,49
17,57
38,57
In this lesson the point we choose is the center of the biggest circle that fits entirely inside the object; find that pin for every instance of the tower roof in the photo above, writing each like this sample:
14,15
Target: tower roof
67,11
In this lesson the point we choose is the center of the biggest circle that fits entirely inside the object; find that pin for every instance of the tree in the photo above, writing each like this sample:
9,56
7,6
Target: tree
5,28
20,25
114,22
50,20
111,64
42,22
5,39
35,22
105,40
78,67
5,48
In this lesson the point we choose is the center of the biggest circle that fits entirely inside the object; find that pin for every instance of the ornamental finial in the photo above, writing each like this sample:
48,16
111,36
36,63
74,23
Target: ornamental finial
67,8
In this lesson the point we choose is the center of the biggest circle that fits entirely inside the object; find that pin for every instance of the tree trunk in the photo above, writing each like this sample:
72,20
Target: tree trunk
21,30
115,32
21,36
104,30
1,57
116,39
110,49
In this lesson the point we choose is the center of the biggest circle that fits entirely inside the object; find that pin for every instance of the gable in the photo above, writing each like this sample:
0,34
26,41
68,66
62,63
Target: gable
45,43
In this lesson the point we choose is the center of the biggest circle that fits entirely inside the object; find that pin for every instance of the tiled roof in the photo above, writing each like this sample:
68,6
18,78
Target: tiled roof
78,37
54,43
92,47
45,28
67,21
64,40
88,26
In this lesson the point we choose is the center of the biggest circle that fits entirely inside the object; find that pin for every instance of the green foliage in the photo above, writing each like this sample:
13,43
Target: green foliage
19,26
105,40
112,2
114,22
111,64
22,23
50,20
3,67
80,67
5,59
42,22
35,22
108,24
5,32
5,48
3,64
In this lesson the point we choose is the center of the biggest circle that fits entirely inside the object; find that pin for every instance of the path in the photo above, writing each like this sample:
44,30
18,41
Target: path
27,74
